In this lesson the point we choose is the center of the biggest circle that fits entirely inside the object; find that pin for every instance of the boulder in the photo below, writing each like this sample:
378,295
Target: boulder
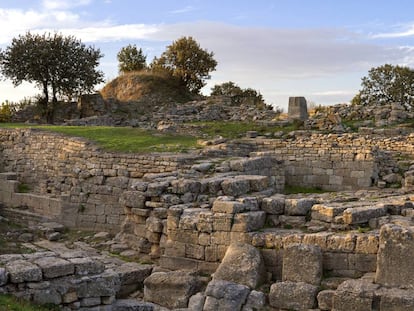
225,296
355,295
171,289
302,263
255,301
242,264
293,296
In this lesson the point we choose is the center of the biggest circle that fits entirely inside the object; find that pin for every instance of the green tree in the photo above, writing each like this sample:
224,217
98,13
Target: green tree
60,66
227,89
187,61
387,84
238,94
131,59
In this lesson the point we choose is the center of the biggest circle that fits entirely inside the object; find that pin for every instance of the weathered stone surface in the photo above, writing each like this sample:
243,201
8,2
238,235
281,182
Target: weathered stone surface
302,263
355,295
325,299
196,302
23,271
45,296
255,301
133,199
104,284
225,296
249,221
293,296
171,289
235,187
298,207
395,267
131,305
394,299
297,109
227,206
242,264
4,276
362,214
274,205
53,267
86,265
325,212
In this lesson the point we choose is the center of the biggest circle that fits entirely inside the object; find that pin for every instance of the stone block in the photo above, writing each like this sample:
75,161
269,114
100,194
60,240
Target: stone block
104,284
194,251
196,302
249,221
228,207
335,261
47,296
367,243
274,205
182,186
23,271
154,224
325,299
293,295
224,295
341,243
326,213
355,295
129,305
242,264
255,301
53,267
362,262
394,299
205,222
302,263
4,276
171,289
222,221
292,221
177,263
86,265
395,267
298,207
297,109
235,186
362,214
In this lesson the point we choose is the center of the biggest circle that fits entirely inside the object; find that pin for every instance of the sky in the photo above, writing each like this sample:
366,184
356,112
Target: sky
319,49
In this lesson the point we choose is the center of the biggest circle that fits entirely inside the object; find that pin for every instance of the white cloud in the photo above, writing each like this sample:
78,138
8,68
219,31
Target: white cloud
64,4
186,9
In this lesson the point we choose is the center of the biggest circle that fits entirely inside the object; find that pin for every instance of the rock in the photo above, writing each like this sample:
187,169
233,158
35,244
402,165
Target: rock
203,167
392,178
102,235
235,186
132,276
196,302
249,221
133,199
293,296
131,305
54,226
105,284
326,213
23,271
171,289
302,263
356,295
53,236
362,214
86,265
47,296
255,301
242,264
325,299
4,276
26,237
274,205
395,267
225,296
53,267
394,299
298,207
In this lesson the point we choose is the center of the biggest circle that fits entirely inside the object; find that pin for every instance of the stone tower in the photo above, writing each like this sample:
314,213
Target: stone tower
298,109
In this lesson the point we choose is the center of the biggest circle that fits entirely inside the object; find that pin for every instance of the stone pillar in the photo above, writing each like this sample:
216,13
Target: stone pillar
298,109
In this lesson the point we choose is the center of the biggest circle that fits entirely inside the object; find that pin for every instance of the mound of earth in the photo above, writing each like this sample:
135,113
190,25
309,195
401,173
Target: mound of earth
144,85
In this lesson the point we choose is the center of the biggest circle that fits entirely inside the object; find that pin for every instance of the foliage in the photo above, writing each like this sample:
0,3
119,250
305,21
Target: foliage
131,59
186,60
240,95
6,111
387,84
122,139
60,66
10,303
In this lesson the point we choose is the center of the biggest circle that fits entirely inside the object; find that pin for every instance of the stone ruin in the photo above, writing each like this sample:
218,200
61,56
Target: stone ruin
298,109
216,224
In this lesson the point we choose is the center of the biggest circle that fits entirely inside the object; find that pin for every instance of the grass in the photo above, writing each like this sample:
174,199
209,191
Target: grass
10,303
121,139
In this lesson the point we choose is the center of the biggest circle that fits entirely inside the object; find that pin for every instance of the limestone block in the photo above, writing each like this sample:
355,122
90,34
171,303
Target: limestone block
86,265
222,221
255,301
325,212
171,289
196,302
182,186
249,221
135,199
335,261
395,267
362,262
242,264
274,205
229,207
367,243
302,263
325,299
258,182
225,296
105,284
293,296
90,301
189,218
53,267
154,224
394,299
132,276
156,188
235,186
46,296
298,207
194,251
319,238
273,260
119,182
356,295
130,304
23,271
205,222
362,214
341,243
292,221
4,276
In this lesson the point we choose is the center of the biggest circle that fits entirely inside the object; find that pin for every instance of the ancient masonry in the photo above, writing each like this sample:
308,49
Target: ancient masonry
219,211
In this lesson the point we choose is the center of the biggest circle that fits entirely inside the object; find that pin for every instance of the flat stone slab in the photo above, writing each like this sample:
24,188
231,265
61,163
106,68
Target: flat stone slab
362,214
53,267
85,266
23,271
327,213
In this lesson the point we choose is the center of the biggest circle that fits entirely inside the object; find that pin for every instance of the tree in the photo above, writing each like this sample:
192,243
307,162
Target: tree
131,59
60,66
238,94
227,89
387,84
187,61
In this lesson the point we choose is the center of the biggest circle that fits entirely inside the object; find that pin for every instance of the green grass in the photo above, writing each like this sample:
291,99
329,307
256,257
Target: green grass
10,303
121,139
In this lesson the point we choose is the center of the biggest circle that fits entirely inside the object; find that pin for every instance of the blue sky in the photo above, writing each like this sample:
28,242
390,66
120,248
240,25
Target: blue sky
312,48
